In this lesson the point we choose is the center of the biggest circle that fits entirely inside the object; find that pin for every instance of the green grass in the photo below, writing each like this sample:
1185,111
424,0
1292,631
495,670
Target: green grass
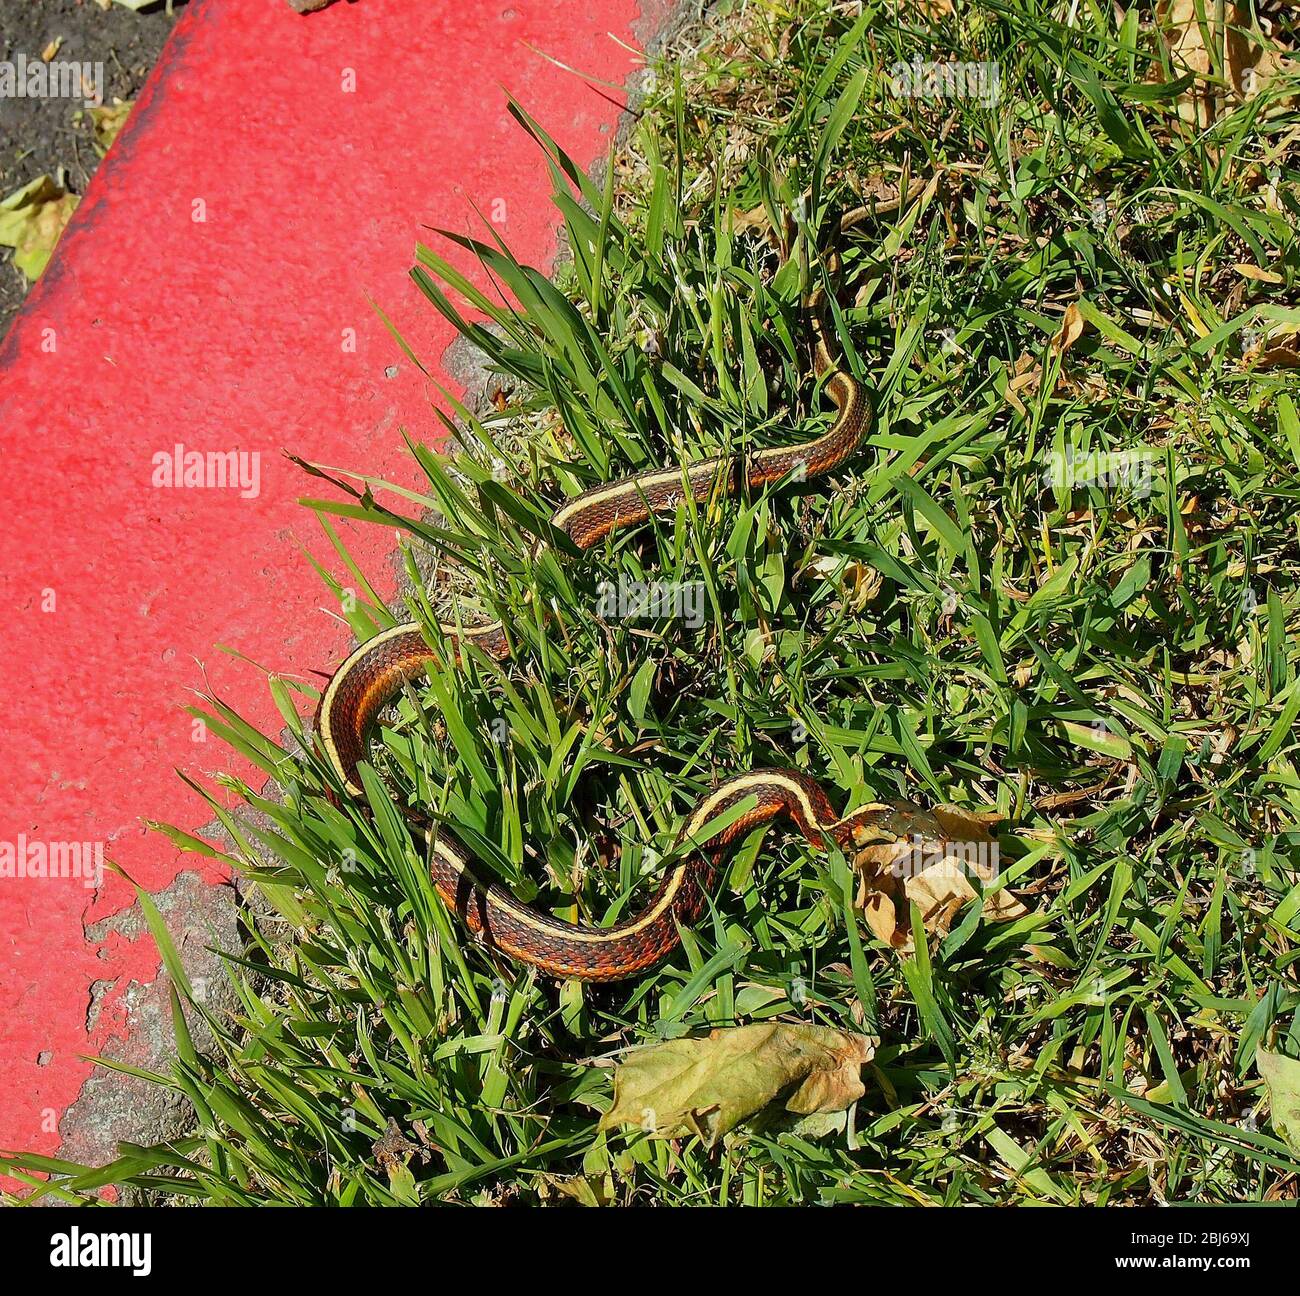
1112,668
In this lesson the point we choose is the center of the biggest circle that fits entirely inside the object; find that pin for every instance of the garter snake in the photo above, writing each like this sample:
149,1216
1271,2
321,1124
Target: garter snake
375,672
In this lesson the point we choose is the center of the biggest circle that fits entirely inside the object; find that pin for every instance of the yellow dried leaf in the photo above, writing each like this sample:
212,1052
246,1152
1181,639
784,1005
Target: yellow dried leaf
706,1086
106,121
1248,271
1025,377
1282,1078
858,582
1071,330
755,219
944,888
1198,324
938,893
31,221
878,909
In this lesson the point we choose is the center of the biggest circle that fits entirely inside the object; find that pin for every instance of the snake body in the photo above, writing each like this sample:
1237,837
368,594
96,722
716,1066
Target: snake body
375,672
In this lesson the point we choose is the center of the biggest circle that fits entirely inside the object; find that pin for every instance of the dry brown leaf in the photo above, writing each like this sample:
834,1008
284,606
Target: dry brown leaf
927,858
1278,348
878,909
940,891
1246,58
1071,330
1027,374
1025,377
879,195
1055,800
754,219
393,1152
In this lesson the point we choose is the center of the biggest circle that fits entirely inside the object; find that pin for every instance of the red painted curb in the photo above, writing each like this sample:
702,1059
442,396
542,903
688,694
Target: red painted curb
276,172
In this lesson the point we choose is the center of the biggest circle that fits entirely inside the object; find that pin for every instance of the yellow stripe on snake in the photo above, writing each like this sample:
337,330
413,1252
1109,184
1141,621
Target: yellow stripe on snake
374,674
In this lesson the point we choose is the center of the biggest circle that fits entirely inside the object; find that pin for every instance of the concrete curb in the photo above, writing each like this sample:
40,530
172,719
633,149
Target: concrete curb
204,919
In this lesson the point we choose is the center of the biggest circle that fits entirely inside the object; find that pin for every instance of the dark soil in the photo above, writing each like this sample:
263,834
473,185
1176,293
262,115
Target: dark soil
38,136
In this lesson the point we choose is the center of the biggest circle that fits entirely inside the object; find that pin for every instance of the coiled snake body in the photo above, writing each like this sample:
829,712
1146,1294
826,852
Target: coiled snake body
374,674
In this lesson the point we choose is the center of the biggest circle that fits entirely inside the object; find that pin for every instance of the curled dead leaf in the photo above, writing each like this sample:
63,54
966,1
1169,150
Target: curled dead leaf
754,219
928,857
105,122
1277,348
393,1152
31,221
1027,374
858,582
1025,377
706,1086
1071,330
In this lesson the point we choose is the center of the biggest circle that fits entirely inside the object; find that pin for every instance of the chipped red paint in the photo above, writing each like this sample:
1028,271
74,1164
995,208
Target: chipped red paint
154,328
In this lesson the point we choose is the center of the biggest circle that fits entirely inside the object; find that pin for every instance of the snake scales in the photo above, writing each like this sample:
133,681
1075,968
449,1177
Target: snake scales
375,672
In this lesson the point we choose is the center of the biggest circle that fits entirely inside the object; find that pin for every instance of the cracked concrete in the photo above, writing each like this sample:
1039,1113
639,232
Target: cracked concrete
113,1107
